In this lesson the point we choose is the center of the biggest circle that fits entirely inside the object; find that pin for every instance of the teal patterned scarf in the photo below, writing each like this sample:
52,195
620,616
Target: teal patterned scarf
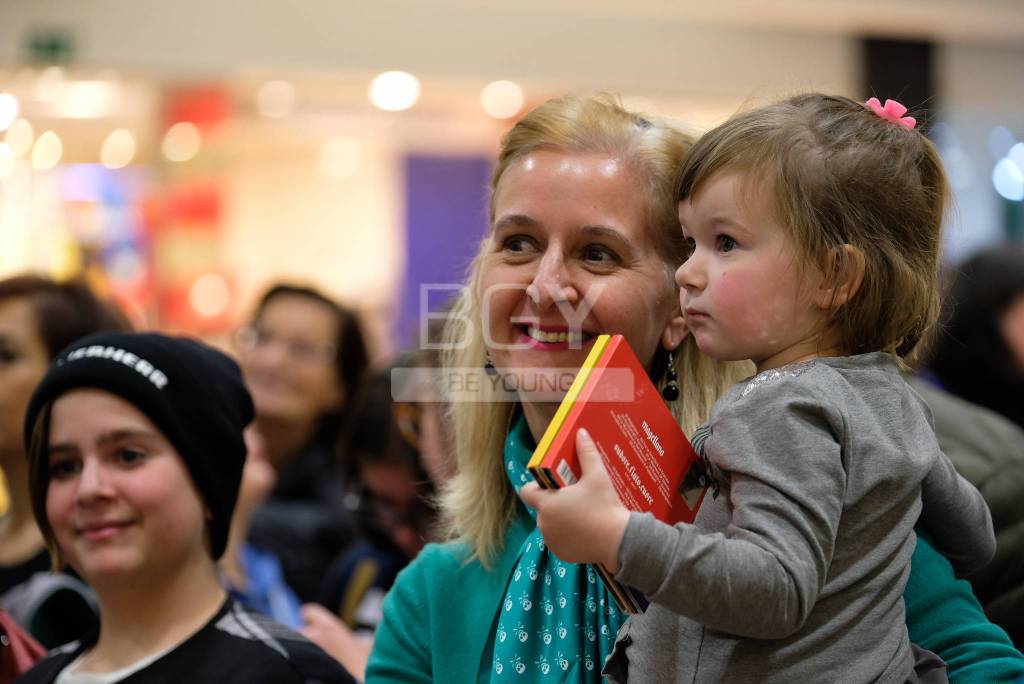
557,622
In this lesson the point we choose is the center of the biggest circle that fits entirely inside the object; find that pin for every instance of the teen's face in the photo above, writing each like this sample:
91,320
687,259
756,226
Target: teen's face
23,362
571,257
289,360
742,291
121,502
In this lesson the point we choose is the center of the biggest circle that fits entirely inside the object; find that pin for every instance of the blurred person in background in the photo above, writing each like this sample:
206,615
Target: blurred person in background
38,318
974,384
979,352
254,576
394,440
136,450
303,356
399,450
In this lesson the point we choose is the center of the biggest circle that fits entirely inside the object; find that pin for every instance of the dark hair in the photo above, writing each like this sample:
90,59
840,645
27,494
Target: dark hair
969,354
384,431
64,312
352,359
834,173
378,430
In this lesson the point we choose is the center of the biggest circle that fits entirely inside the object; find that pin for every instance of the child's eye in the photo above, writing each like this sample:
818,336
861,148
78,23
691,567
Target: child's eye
129,456
690,245
64,468
726,243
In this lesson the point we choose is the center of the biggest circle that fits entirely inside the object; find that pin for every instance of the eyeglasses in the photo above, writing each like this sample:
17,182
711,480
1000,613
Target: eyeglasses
252,338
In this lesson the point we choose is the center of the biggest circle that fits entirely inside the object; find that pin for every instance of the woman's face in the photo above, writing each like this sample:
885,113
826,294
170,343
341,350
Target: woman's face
571,257
289,362
23,362
121,502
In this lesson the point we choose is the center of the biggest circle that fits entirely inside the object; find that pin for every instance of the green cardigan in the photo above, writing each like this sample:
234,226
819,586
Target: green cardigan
439,618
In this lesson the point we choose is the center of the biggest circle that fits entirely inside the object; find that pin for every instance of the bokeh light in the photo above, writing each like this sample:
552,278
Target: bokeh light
1000,140
118,149
394,91
181,142
47,151
502,99
1008,180
20,137
210,295
8,110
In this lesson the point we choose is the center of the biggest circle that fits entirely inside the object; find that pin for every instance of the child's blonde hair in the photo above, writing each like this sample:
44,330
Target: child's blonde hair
836,174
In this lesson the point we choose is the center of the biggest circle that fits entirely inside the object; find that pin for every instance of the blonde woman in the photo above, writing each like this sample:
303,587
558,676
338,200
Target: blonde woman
584,239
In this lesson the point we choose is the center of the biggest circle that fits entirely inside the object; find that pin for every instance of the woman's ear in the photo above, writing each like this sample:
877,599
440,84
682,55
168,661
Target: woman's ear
842,276
675,332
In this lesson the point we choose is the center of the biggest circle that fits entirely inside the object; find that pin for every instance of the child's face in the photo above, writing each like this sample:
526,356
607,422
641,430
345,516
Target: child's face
742,291
120,501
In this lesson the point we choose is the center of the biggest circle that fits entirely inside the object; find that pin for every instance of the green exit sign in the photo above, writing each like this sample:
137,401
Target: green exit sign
50,46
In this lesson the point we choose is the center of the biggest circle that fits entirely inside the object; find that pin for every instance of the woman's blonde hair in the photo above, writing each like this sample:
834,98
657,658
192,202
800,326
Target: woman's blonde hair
479,502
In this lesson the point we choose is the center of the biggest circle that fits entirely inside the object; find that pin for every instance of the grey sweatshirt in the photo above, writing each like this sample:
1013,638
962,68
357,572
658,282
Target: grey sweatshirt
795,571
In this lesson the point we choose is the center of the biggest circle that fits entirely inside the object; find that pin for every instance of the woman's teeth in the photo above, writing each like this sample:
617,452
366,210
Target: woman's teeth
570,336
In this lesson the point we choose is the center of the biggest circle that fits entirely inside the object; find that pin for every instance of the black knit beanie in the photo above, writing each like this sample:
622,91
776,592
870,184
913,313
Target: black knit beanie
192,392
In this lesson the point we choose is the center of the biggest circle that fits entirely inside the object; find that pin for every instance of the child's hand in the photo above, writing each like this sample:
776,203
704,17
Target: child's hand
582,523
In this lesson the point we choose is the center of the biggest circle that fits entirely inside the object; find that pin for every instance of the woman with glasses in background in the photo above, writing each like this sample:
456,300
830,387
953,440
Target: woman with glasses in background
303,356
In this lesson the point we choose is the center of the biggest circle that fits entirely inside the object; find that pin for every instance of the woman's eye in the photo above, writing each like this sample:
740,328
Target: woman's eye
64,468
7,356
517,244
600,254
726,243
130,456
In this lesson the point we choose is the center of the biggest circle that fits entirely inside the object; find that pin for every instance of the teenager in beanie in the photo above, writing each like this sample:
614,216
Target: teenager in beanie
135,454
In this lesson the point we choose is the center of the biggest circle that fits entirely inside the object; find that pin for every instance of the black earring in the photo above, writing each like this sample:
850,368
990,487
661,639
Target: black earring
489,366
671,389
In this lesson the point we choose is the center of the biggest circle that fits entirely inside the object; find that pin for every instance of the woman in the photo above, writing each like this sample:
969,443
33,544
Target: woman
303,357
38,318
136,453
584,239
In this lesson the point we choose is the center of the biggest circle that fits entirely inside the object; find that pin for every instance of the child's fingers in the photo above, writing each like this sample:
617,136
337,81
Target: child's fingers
531,494
590,457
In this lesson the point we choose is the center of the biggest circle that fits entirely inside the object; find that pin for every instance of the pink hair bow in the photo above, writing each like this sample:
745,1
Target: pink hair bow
892,111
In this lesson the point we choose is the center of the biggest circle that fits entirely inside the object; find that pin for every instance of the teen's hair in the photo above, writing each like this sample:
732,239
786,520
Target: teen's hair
351,361
478,503
64,312
834,173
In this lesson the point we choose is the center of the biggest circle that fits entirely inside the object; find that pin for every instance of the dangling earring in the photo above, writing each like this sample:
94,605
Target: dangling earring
489,366
671,389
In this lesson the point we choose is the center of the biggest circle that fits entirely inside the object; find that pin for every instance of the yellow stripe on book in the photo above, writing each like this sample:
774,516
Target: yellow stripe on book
570,399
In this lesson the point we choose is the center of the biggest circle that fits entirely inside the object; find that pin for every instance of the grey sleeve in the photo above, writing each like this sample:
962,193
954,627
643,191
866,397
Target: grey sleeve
761,577
957,518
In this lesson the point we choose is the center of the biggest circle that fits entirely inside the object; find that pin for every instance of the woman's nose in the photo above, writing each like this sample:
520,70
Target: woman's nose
552,283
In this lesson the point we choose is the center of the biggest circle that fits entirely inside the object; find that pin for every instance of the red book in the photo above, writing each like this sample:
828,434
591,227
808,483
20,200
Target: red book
649,459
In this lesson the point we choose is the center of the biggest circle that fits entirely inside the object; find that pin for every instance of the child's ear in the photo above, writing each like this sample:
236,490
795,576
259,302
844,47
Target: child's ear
842,276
